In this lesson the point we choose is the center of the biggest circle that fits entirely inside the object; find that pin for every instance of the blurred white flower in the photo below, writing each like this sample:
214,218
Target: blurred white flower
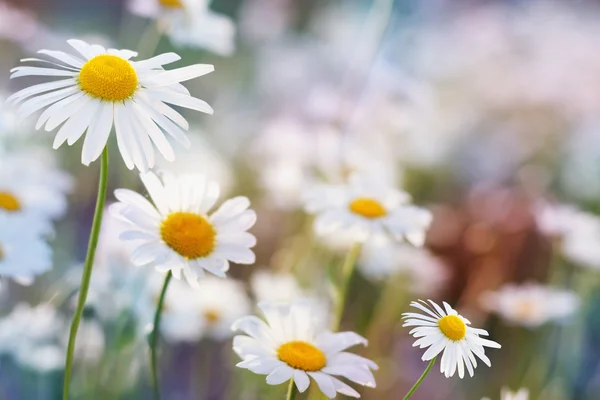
31,334
382,258
177,233
506,394
555,219
275,286
449,332
104,87
90,344
580,244
23,252
17,25
190,23
531,304
367,207
293,345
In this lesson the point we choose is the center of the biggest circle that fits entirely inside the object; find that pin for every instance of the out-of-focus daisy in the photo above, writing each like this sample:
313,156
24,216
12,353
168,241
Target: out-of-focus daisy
382,258
506,394
190,23
191,314
531,304
23,252
555,219
580,243
275,287
31,334
27,189
177,233
99,87
366,207
293,345
447,331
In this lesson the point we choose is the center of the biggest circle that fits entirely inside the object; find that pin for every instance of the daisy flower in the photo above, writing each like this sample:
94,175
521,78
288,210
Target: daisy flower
190,23
177,233
531,304
23,252
447,331
293,345
99,87
366,207
521,394
191,314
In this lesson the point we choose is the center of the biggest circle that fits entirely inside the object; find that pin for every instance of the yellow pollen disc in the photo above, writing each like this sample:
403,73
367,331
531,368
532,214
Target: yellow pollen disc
369,208
212,316
188,234
108,78
171,3
302,355
9,202
453,327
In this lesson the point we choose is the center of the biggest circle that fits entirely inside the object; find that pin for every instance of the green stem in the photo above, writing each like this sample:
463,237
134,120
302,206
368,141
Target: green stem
418,383
291,392
154,336
347,271
87,271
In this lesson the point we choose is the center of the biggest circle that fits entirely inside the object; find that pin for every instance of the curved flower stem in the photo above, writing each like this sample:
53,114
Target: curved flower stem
154,336
347,271
87,270
418,383
291,392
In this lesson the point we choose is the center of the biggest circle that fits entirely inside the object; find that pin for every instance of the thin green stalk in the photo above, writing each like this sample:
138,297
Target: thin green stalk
347,271
291,392
154,336
418,383
87,270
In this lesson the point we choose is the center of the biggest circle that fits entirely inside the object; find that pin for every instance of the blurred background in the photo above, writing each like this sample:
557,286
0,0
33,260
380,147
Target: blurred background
486,112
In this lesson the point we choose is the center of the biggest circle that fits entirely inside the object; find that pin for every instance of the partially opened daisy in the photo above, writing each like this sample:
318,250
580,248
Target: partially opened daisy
190,23
293,345
98,87
444,330
366,206
23,252
178,233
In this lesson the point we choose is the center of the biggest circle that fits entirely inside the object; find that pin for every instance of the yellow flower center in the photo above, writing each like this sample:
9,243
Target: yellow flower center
212,316
453,327
109,78
171,3
188,234
368,208
302,355
9,202
526,310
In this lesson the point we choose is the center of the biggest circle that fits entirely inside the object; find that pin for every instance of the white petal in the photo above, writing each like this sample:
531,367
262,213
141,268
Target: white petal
325,383
281,374
64,57
37,71
181,100
301,380
97,136
40,88
167,78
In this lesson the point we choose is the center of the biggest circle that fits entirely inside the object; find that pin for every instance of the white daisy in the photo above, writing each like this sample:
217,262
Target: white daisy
382,258
99,87
293,345
506,394
275,286
580,243
531,304
447,331
190,23
365,207
23,252
191,314
177,233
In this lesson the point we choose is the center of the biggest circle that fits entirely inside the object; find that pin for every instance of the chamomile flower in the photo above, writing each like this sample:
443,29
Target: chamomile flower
178,233
99,87
445,330
366,207
506,394
190,23
23,252
531,304
293,345
275,286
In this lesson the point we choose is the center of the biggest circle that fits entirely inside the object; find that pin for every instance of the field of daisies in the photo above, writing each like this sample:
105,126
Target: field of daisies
309,200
